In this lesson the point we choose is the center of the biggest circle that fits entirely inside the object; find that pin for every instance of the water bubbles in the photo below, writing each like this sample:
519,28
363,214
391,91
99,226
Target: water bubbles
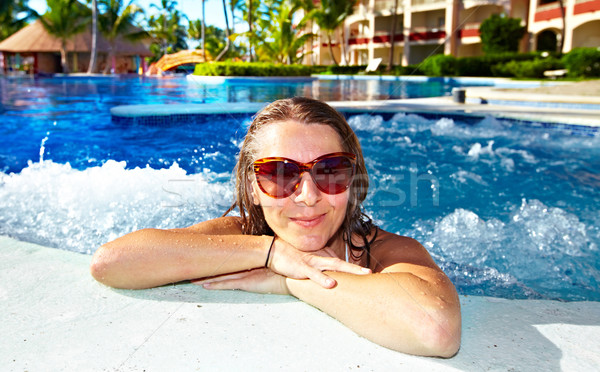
56,205
43,147
533,247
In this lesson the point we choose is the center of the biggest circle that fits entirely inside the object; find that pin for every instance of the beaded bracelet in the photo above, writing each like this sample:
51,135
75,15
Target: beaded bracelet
269,253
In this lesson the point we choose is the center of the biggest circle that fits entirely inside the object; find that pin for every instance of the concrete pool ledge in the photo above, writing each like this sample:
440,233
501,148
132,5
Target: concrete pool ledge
131,111
154,114
249,79
57,318
446,106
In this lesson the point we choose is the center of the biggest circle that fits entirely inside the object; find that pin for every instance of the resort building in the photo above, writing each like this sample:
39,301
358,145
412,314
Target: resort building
426,27
33,50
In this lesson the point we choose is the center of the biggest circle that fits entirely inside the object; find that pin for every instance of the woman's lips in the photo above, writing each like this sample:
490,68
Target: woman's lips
308,222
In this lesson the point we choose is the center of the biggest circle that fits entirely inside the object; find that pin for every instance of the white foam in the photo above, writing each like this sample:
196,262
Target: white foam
478,150
56,205
535,243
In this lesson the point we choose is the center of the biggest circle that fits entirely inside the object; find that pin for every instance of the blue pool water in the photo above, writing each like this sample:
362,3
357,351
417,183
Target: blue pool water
506,210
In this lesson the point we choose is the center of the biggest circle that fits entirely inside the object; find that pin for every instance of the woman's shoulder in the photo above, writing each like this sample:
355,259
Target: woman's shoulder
229,225
390,248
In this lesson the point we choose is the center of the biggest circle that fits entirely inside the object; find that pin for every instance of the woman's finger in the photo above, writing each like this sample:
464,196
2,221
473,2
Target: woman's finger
225,284
321,279
335,264
214,279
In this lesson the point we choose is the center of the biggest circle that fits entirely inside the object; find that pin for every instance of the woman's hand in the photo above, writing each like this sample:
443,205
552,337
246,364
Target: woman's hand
256,280
295,264
285,261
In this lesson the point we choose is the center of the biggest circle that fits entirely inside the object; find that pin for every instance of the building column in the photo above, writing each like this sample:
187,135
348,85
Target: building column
568,42
407,25
75,62
370,48
452,32
531,26
345,36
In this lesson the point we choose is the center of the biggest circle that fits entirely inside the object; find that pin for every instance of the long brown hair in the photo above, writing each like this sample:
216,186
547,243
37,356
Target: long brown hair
306,111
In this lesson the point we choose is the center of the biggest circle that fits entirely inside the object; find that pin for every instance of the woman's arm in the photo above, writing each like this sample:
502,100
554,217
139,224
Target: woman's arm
150,257
408,304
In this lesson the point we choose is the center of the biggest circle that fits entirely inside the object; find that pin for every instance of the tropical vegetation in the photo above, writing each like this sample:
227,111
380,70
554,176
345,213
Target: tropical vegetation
118,20
14,15
500,33
329,16
281,41
276,32
64,19
166,29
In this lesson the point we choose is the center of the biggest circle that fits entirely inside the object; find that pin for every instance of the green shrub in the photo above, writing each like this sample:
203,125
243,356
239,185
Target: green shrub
473,66
439,65
360,69
583,62
529,69
344,70
500,33
251,69
487,65
409,70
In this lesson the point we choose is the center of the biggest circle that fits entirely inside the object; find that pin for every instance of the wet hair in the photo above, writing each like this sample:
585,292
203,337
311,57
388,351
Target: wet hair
306,111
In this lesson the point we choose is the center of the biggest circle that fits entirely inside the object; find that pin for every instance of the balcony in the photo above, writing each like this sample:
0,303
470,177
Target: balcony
427,34
468,4
586,6
547,12
441,3
386,5
360,39
470,30
378,38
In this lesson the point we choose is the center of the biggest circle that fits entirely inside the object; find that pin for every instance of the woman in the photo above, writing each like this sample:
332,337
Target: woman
301,179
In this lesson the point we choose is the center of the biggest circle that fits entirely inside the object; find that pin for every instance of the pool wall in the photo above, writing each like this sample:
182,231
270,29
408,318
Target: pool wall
59,318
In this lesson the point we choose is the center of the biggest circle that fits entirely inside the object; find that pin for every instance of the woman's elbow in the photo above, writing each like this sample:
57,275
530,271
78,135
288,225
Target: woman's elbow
100,265
105,268
441,338
443,342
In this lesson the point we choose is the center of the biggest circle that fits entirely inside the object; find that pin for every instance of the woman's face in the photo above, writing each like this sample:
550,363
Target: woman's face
308,218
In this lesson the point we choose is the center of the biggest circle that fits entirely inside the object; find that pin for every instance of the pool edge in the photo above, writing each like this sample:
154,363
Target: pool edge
58,309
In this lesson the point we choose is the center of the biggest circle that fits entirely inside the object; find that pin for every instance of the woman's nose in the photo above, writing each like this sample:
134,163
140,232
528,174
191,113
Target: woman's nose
307,191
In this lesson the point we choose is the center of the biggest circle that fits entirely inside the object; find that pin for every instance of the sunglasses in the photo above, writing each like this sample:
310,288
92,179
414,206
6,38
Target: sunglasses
280,177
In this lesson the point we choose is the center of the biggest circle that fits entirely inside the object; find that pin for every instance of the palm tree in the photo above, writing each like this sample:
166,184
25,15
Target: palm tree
284,38
94,51
118,21
64,19
227,41
561,5
203,33
330,16
392,36
249,9
166,30
195,29
235,5
14,15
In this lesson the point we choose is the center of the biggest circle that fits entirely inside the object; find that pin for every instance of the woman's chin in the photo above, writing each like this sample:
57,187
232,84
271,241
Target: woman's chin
309,244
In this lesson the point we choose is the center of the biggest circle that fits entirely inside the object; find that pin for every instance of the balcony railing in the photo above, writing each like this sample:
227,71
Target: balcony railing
470,30
386,5
549,6
428,2
586,6
547,12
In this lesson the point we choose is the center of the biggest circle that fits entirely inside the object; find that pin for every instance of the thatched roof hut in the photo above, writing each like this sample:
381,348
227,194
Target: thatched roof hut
33,43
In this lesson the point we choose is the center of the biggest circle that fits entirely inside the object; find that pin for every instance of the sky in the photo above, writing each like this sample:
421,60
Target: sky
191,8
